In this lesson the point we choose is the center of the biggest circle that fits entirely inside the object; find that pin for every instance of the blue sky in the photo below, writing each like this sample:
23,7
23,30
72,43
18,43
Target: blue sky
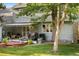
8,5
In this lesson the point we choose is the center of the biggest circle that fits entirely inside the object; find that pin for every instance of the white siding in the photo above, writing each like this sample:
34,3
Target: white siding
48,36
66,33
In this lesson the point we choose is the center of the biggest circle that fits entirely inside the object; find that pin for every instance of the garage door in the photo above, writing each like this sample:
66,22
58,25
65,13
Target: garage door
67,32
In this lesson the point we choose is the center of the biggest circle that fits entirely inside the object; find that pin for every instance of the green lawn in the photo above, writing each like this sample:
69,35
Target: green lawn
40,50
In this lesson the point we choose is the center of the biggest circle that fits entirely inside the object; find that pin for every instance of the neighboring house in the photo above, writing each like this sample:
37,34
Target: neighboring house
6,17
22,23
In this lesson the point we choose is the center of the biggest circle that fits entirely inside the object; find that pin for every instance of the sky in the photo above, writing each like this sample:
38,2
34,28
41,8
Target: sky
8,5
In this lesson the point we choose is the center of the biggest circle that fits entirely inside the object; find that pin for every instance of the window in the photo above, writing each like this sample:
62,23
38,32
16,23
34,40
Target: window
44,28
47,27
27,28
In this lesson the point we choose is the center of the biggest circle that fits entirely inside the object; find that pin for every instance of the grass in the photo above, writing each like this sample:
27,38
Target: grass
40,50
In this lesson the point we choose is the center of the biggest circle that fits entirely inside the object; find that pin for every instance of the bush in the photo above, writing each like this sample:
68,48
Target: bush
5,40
29,41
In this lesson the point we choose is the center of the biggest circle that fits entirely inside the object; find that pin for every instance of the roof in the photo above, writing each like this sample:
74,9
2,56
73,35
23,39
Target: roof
18,24
19,5
5,12
22,19
11,20
7,15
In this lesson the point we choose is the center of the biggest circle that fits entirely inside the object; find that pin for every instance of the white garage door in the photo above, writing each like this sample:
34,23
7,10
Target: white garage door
67,32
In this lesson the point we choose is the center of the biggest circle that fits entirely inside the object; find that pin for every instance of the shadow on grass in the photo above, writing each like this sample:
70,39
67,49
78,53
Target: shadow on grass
27,50
41,50
69,50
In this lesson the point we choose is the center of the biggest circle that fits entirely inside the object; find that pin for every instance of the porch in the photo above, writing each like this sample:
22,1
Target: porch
17,29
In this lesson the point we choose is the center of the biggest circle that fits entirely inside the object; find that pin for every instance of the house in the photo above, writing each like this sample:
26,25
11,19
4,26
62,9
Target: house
23,23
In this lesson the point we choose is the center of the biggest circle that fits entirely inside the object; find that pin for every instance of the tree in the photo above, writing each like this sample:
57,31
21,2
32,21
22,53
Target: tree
1,20
2,6
58,12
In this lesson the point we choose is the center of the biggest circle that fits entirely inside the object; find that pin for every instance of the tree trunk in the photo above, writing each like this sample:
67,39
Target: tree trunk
55,47
59,23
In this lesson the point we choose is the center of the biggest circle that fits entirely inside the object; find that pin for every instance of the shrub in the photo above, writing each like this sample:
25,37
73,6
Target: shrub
5,40
29,41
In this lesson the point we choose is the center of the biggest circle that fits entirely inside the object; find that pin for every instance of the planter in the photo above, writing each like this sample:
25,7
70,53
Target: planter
34,42
39,40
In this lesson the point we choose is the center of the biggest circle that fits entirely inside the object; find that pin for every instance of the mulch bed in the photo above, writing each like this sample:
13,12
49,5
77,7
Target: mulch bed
2,44
15,44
